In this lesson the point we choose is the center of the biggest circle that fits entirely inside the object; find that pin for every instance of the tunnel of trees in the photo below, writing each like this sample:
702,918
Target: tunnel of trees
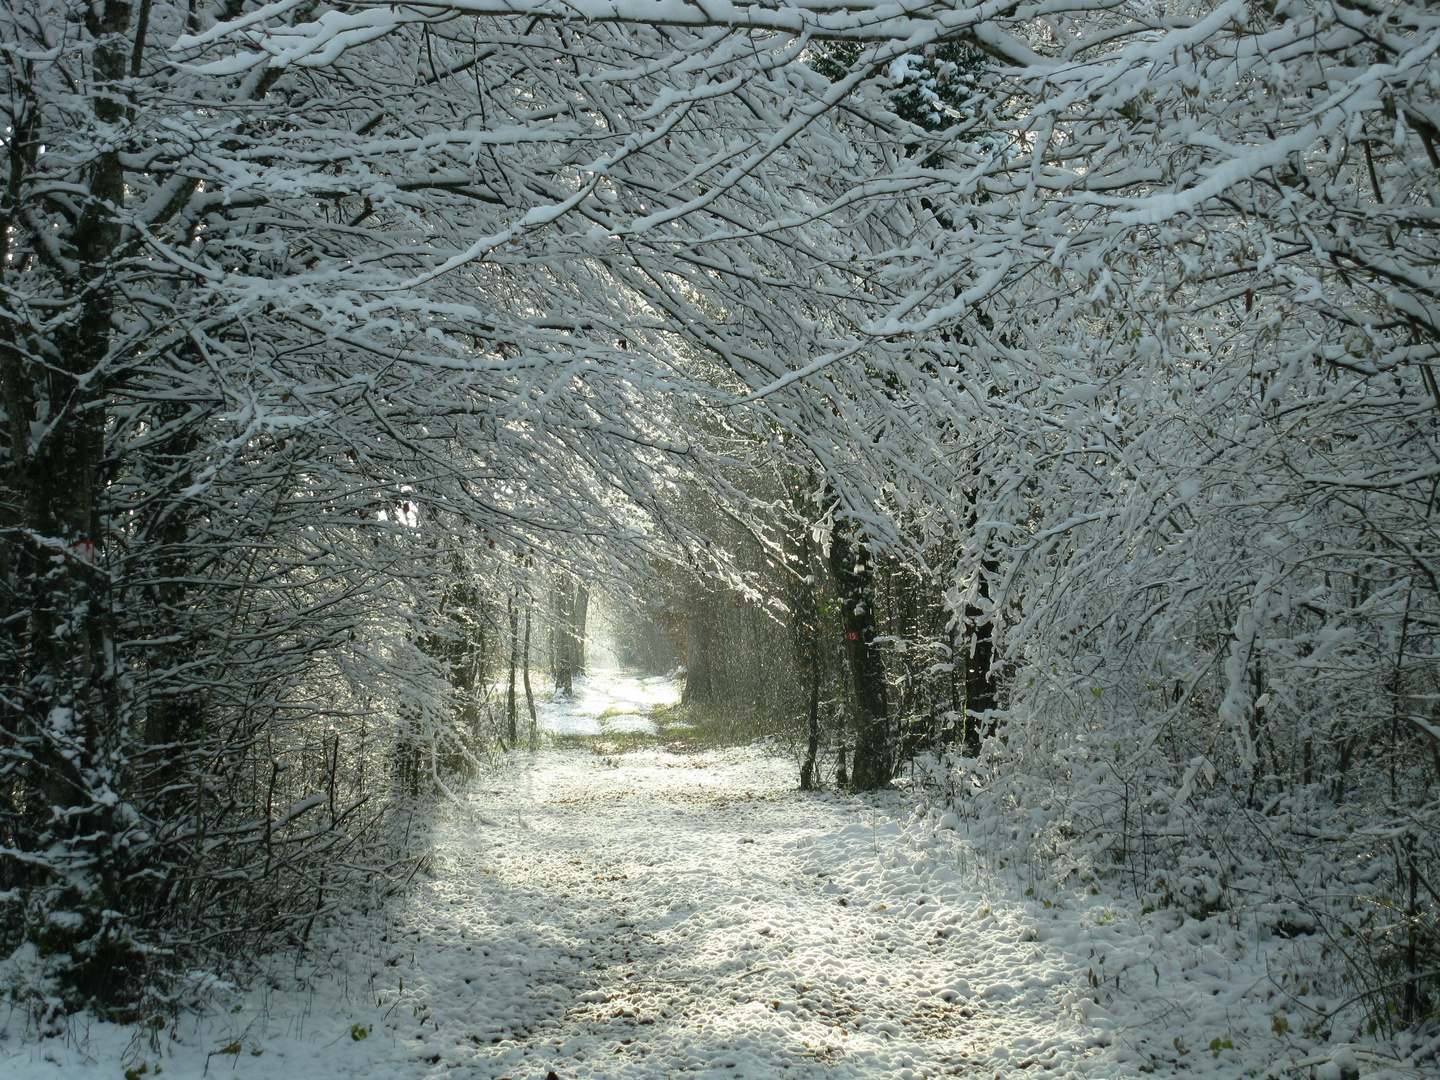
1036,399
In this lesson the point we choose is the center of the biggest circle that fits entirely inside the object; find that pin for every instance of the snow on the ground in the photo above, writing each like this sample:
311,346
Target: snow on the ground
606,701
656,915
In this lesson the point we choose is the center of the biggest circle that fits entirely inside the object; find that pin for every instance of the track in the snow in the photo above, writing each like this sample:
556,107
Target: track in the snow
659,915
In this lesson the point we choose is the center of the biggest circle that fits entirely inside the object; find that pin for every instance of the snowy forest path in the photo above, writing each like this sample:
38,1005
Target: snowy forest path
657,915
660,914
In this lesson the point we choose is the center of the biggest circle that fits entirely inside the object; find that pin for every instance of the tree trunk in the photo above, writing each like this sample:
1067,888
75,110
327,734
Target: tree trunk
812,742
572,600
579,619
1410,1010
872,763
805,610
560,653
979,682
71,735
980,690
699,686
529,694
510,724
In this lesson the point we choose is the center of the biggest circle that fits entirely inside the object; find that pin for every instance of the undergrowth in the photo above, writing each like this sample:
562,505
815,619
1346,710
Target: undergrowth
681,729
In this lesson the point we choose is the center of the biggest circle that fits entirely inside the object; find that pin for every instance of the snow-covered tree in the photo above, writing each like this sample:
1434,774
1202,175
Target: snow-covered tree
1115,325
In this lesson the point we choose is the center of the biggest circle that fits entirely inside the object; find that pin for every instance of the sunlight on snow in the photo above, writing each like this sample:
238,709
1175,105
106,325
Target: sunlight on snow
609,700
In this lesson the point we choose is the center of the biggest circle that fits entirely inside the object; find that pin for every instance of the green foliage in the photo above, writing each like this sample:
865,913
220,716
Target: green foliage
87,949
933,89
937,87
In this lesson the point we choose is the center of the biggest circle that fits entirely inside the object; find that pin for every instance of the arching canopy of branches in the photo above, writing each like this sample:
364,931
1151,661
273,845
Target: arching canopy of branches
327,332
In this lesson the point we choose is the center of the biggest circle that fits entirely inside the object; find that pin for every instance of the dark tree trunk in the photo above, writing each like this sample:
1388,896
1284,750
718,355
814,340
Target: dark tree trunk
529,693
572,601
579,619
69,745
699,685
812,740
561,654
980,690
805,609
1410,1011
872,763
511,733
979,682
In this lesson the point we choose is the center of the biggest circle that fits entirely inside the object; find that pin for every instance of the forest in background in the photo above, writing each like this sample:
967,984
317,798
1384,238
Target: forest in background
1038,399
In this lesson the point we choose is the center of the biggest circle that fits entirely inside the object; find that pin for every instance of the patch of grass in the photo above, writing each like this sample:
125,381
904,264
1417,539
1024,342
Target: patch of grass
612,742
621,742
691,729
